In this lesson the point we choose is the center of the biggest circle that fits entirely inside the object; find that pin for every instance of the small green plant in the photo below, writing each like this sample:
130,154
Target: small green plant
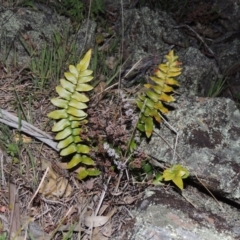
3,236
176,174
72,117
12,149
216,87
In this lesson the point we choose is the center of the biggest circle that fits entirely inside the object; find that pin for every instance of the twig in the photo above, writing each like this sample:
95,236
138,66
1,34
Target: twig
43,178
13,121
198,36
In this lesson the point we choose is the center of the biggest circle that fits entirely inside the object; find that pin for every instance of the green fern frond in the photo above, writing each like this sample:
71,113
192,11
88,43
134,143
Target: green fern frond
72,116
150,102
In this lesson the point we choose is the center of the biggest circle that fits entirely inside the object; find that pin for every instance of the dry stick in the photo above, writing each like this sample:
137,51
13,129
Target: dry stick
102,196
2,171
121,48
43,178
197,35
86,35
60,223
13,121
195,174
99,204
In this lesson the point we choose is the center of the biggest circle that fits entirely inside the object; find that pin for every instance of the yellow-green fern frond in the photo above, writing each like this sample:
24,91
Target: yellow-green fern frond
150,102
72,116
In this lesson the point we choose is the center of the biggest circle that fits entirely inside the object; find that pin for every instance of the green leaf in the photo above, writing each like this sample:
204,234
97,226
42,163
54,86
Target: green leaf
64,143
139,103
80,97
76,112
60,125
148,126
82,87
58,114
154,113
141,127
146,111
83,64
133,146
171,57
75,124
83,148
69,150
67,85
147,168
76,159
74,71
178,181
83,173
87,160
160,74
159,106
76,131
76,104
77,139
85,73
152,95
58,102
166,98
159,89
85,79
158,179
171,81
150,103
168,174
167,88
70,77
157,80
63,93
64,133
93,172
73,118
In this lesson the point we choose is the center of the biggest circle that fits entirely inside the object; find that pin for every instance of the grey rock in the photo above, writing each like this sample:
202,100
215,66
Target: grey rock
197,74
144,33
208,133
167,215
25,31
208,142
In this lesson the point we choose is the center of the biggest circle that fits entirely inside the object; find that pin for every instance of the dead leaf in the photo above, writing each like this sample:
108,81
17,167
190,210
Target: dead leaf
54,186
97,235
25,139
96,221
103,208
107,229
111,62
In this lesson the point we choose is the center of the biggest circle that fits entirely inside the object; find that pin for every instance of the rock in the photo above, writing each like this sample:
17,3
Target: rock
144,33
197,74
208,142
208,145
164,214
25,31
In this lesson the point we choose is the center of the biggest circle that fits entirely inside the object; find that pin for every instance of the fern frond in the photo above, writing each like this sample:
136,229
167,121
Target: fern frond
156,94
72,116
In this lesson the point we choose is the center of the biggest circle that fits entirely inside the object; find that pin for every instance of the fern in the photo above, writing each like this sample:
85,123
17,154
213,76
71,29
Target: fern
72,116
150,102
